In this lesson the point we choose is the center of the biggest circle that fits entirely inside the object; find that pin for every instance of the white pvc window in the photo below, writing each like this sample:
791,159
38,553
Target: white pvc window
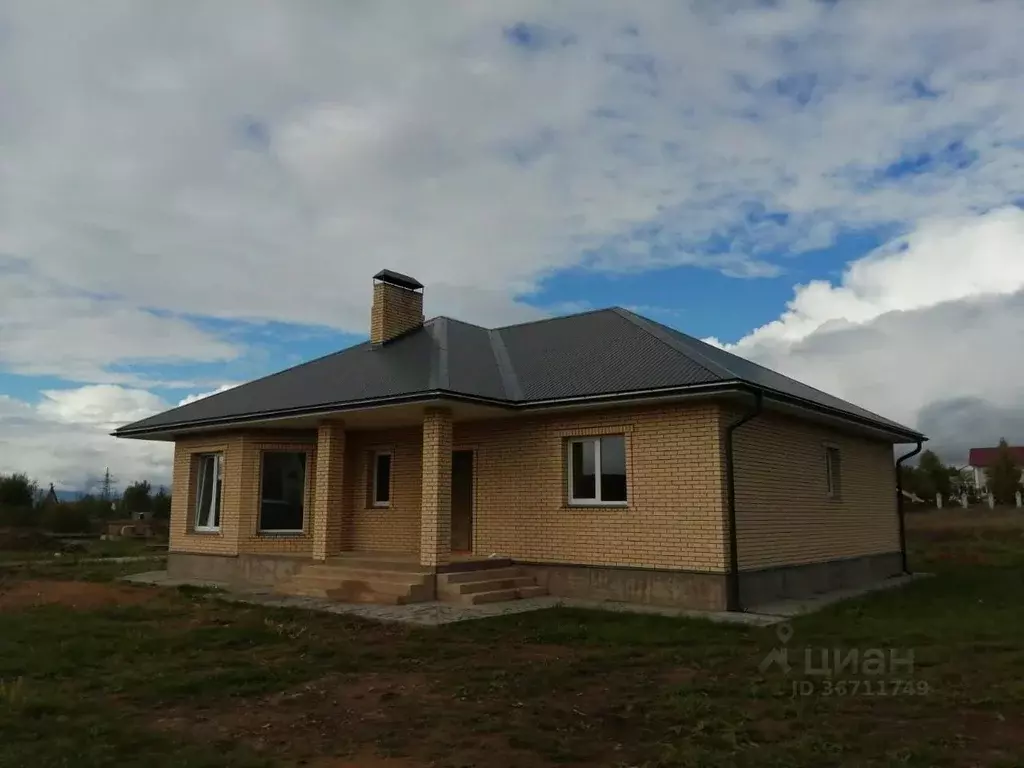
597,470
208,487
282,491
382,479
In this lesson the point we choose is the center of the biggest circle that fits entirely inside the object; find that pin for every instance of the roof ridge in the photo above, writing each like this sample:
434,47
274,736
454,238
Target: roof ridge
438,377
509,380
450,319
692,346
658,331
552,319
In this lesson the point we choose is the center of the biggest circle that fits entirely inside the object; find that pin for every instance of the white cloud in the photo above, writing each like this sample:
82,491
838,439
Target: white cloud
267,169
50,329
926,331
65,438
192,398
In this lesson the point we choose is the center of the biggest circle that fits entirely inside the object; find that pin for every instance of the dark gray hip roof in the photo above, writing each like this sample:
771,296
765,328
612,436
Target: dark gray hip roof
593,355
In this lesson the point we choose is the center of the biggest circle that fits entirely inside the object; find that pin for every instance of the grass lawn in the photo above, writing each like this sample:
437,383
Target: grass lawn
98,673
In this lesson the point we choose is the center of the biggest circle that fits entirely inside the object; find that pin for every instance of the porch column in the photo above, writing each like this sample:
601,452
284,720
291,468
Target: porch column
327,488
436,493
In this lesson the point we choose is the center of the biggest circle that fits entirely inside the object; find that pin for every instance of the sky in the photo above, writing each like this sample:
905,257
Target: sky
193,195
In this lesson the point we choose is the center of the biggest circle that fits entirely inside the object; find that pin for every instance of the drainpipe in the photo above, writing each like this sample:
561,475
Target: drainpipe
899,503
733,576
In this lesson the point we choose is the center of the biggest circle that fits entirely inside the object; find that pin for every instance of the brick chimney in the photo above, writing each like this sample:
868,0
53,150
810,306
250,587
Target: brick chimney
397,306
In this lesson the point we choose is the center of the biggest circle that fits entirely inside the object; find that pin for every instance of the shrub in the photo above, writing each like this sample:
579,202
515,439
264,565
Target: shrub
66,518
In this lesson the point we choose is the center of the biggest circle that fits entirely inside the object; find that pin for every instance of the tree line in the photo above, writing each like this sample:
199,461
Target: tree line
931,476
24,504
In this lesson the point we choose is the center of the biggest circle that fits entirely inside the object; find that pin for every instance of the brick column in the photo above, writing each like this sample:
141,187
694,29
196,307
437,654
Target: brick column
436,494
327,488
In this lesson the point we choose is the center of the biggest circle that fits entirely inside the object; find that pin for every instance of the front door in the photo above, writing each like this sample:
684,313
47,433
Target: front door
462,501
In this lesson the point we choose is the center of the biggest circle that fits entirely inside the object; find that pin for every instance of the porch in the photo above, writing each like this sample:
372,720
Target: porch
396,579
393,495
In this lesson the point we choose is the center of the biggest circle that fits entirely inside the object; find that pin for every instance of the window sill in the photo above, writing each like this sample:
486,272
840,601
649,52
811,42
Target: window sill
596,505
212,532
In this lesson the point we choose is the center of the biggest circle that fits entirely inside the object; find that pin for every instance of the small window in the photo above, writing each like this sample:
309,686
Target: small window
597,470
208,485
282,491
382,479
833,471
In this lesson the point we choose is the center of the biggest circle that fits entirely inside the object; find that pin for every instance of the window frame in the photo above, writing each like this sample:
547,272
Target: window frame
260,530
571,500
215,498
375,456
833,474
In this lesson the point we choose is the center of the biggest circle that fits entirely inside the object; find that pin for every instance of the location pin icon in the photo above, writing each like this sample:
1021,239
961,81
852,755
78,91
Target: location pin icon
784,632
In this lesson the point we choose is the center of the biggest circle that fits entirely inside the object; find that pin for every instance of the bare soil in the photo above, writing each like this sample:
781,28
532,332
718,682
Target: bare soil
79,595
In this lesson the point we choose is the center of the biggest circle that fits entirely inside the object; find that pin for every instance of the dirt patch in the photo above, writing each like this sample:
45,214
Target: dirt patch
376,720
80,595
365,761
322,716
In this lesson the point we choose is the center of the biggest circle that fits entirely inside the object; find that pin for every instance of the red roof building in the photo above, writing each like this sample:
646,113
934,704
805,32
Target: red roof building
986,457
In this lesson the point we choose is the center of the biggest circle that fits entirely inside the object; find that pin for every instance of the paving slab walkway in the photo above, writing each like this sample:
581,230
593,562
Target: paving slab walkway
436,613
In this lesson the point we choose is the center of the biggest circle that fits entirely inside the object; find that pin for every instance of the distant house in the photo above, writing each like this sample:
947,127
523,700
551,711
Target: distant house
981,459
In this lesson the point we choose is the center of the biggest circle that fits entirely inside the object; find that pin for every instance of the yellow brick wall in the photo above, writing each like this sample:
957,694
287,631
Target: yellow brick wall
395,310
240,488
784,513
250,540
675,513
436,509
385,529
183,537
328,489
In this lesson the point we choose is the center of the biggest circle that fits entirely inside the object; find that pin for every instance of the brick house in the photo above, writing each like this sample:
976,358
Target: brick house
599,455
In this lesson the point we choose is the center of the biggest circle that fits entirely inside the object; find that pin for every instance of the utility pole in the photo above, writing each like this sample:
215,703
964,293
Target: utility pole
108,482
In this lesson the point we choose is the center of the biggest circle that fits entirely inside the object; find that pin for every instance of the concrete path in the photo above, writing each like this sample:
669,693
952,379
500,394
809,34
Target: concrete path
435,613
786,609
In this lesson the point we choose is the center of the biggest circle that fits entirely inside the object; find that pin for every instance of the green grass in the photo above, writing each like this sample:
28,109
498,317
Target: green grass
181,678
91,548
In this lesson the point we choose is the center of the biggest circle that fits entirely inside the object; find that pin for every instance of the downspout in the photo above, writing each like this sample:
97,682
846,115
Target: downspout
733,576
899,503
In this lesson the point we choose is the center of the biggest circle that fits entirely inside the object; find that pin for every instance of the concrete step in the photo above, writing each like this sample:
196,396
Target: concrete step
386,587
533,590
490,585
359,574
353,594
493,596
480,574
373,564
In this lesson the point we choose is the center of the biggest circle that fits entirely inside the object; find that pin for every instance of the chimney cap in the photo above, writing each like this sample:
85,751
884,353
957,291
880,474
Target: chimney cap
397,278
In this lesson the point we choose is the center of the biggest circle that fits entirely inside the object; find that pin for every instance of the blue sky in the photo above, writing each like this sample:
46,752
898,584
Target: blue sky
832,189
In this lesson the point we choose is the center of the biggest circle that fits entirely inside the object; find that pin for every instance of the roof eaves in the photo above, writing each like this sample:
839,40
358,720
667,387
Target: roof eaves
509,380
676,344
325,408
